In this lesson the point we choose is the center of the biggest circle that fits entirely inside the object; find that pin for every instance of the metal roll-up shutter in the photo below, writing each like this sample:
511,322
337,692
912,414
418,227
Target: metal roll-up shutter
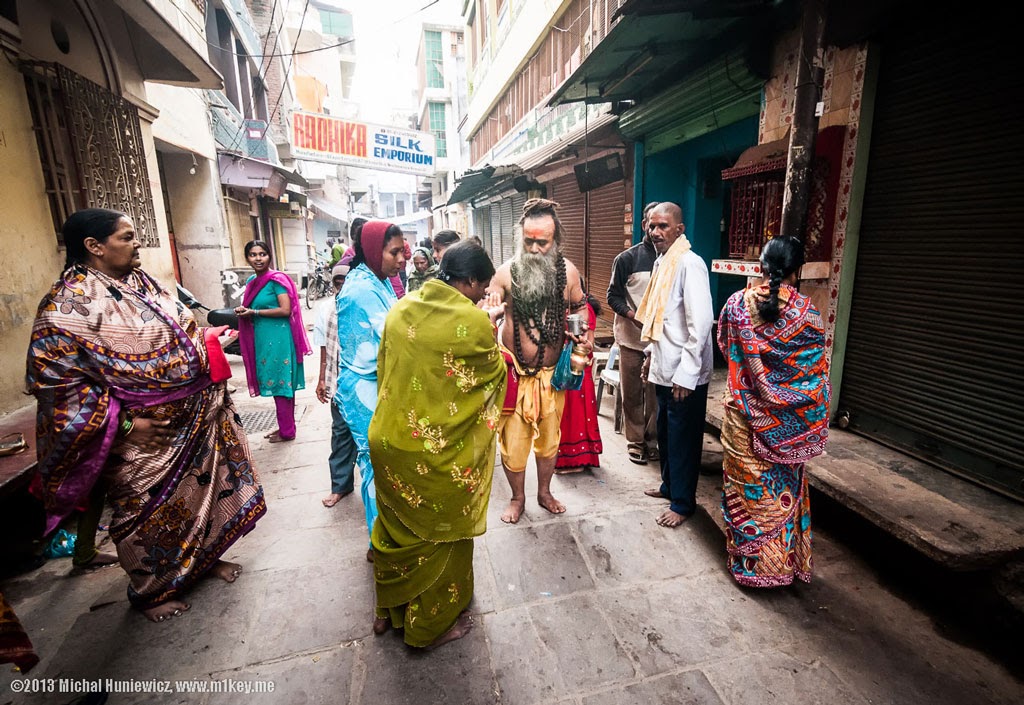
605,210
572,213
518,201
482,227
497,236
507,236
932,355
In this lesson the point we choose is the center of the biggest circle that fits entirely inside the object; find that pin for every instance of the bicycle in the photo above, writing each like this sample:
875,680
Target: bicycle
318,286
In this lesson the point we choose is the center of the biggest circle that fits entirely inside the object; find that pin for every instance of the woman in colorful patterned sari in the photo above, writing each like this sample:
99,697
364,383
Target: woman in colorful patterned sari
776,418
432,440
124,381
270,320
362,306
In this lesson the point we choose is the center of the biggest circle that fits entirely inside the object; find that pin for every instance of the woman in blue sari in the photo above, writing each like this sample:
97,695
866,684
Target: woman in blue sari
362,307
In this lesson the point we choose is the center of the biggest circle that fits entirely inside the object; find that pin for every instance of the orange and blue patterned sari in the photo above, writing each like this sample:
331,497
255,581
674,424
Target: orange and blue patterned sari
776,418
103,346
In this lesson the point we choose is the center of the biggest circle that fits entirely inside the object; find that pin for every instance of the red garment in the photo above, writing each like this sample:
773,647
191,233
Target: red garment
581,438
580,443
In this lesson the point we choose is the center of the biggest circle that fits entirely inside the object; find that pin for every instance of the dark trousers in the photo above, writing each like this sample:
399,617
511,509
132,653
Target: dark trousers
343,453
680,442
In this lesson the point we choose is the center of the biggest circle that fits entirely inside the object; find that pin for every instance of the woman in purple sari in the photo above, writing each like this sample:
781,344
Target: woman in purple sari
270,320
131,393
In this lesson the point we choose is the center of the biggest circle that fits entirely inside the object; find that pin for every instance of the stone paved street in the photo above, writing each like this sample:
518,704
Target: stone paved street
596,607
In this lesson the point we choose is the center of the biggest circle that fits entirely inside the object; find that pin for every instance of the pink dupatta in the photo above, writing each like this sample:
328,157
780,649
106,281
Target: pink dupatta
246,337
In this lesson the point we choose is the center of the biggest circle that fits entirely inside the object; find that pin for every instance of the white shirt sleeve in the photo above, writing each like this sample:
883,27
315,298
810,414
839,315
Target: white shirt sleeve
699,314
319,336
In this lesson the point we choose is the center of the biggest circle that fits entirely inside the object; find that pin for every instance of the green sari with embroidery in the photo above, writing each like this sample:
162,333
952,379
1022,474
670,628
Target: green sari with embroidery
432,439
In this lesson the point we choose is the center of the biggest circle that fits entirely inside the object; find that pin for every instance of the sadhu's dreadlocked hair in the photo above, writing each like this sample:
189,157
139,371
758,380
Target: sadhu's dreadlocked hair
540,207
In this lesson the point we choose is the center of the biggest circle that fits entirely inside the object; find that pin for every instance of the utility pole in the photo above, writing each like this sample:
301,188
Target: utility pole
809,76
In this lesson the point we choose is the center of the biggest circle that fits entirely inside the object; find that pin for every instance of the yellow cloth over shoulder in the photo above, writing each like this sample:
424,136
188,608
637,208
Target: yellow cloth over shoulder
652,306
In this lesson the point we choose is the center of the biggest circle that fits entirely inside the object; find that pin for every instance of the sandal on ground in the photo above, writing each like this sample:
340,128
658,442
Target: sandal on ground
636,455
12,444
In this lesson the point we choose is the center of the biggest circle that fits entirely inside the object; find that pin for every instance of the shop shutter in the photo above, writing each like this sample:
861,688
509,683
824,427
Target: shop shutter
932,362
518,201
507,236
572,214
605,215
496,235
482,227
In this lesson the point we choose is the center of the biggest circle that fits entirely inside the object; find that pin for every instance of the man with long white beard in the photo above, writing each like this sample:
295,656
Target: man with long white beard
538,288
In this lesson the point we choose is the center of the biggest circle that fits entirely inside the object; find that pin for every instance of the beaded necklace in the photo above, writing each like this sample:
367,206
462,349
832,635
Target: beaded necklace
543,321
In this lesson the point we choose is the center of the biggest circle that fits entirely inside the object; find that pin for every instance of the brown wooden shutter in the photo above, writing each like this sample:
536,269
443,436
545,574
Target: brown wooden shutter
605,236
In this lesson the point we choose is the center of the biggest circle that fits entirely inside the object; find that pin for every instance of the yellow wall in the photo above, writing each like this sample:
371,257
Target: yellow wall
27,238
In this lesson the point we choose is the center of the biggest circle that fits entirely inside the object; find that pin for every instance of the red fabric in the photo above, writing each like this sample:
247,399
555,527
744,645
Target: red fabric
15,646
220,370
580,436
371,241
512,390
580,443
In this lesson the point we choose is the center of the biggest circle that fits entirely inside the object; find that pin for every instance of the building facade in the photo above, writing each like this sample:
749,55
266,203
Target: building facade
520,53
80,127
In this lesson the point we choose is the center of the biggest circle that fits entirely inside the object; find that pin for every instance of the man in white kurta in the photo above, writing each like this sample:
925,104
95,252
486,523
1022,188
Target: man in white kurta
677,313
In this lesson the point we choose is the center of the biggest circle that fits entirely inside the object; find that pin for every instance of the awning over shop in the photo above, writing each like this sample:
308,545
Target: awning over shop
236,170
330,208
476,181
590,132
657,41
163,54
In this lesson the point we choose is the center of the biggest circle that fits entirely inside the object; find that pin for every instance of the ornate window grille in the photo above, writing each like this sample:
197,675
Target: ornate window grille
758,184
90,148
756,206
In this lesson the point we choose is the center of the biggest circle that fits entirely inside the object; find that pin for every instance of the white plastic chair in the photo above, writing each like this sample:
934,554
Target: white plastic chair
610,376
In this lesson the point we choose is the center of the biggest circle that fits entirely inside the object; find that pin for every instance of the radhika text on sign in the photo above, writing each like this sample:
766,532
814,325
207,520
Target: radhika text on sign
325,138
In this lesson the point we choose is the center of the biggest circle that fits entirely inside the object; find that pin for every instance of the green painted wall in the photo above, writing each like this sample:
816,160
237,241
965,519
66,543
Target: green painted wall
690,174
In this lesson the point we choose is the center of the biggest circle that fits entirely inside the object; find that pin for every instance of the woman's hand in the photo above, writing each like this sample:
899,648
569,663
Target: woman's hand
495,313
151,434
244,312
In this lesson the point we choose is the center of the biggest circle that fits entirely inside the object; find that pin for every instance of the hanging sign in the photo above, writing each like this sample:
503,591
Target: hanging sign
325,138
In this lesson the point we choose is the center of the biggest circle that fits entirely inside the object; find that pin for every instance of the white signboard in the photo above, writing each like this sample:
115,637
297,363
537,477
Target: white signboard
325,138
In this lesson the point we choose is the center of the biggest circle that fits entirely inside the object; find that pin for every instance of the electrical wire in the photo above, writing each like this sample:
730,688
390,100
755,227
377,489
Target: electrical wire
284,79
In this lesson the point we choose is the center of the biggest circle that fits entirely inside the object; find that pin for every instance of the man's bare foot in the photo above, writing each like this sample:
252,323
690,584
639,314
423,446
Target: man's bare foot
550,503
570,471
228,572
333,498
380,625
670,519
171,608
655,492
460,629
514,511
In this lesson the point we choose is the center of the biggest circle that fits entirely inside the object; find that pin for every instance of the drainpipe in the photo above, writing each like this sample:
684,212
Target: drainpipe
809,76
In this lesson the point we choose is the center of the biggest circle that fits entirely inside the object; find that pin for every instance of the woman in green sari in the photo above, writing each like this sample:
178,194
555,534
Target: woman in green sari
432,438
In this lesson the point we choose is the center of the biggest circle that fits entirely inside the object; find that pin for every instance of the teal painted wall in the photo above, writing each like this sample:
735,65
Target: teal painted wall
690,175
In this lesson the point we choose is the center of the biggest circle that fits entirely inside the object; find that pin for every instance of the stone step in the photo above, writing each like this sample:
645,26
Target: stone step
952,521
